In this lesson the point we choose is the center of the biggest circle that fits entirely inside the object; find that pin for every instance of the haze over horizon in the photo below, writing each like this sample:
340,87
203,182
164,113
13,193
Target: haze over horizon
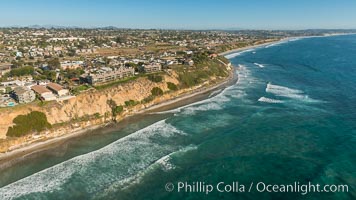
254,14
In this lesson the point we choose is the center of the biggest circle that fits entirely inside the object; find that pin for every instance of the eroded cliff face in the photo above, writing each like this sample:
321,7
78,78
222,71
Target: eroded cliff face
88,103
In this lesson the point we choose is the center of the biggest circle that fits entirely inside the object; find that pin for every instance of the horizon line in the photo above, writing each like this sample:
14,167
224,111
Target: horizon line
51,26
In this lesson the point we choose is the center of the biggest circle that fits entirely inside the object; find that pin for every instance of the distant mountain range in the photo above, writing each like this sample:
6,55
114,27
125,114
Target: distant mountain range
50,26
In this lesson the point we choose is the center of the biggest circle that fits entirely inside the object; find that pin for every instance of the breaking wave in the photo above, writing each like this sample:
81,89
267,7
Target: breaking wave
123,159
269,100
163,163
281,90
215,92
212,103
289,93
232,55
259,65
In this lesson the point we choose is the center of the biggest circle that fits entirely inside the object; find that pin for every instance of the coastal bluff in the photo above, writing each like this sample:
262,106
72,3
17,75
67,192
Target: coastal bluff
77,112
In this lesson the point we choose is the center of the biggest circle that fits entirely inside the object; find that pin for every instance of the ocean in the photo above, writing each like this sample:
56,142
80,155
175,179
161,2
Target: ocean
289,120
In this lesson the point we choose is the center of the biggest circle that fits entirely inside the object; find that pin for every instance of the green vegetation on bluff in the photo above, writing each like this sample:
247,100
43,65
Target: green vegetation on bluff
156,91
172,86
131,102
204,68
25,124
115,109
155,78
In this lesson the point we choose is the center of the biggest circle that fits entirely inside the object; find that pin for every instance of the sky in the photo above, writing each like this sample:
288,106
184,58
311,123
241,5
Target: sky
181,14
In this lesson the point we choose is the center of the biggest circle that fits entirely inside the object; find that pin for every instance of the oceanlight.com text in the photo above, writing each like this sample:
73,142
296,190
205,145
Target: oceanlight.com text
236,187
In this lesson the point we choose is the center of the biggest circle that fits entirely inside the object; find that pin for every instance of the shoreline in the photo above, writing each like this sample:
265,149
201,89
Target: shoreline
285,39
16,155
225,53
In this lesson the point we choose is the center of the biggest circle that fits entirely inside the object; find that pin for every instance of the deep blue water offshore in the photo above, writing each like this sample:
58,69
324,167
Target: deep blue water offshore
290,118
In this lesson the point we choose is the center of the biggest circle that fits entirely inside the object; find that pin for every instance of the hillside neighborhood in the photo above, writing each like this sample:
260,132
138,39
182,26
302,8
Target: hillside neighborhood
58,64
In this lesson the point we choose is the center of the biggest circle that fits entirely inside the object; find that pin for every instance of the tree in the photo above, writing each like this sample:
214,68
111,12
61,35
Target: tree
156,91
73,73
131,103
54,64
172,86
8,90
50,75
115,109
97,115
130,64
118,110
22,71
71,52
120,39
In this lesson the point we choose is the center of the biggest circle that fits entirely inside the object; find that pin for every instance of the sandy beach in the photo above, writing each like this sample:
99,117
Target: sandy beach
278,41
256,46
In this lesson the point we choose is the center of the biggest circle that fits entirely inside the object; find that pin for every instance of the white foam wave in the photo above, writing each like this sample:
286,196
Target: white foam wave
212,103
281,90
284,41
229,56
277,43
289,93
294,39
203,107
233,55
216,102
241,67
165,161
215,92
269,100
259,65
117,155
272,45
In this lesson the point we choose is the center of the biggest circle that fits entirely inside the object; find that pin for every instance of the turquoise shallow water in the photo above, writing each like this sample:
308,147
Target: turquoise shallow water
290,118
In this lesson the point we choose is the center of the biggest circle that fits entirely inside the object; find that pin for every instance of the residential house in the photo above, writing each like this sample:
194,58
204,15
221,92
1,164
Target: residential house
23,95
71,64
152,67
19,54
57,89
107,76
44,93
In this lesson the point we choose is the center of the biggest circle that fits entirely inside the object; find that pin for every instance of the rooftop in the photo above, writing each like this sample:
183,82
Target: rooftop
55,86
20,90
40,89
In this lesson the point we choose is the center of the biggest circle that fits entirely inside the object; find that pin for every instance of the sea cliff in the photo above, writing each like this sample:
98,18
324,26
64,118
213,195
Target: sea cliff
90,108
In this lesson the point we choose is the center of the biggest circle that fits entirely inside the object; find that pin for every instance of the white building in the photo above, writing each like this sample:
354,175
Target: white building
23,95
153,67
71,64
103,75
